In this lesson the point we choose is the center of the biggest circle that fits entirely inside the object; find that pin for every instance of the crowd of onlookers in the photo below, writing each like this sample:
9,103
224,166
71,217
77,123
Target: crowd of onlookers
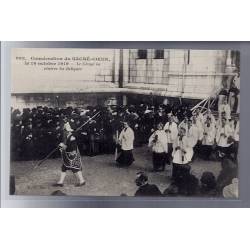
35,132
226,184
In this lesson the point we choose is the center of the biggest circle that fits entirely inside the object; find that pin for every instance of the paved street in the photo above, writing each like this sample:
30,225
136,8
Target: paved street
102,176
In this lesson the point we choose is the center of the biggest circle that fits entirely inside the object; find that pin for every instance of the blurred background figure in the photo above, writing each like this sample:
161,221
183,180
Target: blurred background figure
232,190
144,188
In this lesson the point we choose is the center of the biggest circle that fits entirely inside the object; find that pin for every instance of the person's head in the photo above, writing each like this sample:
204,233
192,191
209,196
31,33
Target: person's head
189,122
208,181
159,126
209,112
125,124
141,179
29,125
165,102
235,181
194,119
67,129
236,118
171,117
208,121
233,83
160,109
65,119
198,110
223,120
182,131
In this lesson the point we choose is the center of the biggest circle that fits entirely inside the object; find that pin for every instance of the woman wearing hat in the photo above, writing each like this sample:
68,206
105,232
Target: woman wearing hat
71,157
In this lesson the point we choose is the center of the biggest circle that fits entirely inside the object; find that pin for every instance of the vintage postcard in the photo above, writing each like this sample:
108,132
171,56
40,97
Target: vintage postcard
125,122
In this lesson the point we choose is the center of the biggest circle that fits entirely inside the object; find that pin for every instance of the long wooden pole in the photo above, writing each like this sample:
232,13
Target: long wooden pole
54,150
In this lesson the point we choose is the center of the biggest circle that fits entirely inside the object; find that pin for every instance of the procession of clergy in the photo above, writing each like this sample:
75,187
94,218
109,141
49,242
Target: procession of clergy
175,134
173,145
199,135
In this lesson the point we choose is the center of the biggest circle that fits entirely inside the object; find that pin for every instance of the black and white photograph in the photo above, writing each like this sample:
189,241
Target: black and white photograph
125,122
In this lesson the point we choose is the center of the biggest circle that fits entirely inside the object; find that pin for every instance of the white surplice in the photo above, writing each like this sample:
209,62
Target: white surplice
184,154
171,136
126,139
161,144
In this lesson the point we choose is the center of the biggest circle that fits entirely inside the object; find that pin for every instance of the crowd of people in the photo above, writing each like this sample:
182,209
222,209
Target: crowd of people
176,143
175,134
36,131
226,184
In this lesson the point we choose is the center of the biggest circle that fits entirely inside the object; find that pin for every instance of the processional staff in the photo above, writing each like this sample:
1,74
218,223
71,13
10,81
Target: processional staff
54,150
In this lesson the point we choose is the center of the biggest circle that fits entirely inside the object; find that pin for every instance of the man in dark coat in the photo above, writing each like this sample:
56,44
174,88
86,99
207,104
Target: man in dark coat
145,189
16,139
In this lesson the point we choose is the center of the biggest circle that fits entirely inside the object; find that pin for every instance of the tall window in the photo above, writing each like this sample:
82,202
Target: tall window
142,54
159,54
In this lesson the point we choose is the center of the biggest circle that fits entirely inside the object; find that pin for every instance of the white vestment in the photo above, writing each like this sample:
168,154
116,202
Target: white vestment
200,118
184,154
126,139
232,190
222,140
225,108
237,132
211,116
192,134
161,144
199,126
209,135
173,131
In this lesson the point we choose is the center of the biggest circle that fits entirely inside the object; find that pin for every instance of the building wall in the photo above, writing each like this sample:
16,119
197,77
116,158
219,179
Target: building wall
193,74
186,73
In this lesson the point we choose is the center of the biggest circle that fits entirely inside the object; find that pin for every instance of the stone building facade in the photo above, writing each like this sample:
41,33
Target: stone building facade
181,73
192,74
